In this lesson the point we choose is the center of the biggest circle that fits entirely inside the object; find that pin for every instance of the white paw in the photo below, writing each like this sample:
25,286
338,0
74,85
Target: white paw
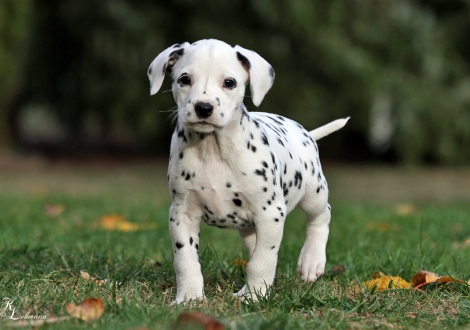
251,296
311,265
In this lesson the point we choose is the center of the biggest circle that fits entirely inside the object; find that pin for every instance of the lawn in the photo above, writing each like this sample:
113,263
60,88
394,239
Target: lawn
384,220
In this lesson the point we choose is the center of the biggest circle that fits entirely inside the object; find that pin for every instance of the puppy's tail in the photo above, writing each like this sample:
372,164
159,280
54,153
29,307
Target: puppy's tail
329,128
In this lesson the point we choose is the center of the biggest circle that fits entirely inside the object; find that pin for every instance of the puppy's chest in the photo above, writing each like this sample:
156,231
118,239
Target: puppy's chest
212,191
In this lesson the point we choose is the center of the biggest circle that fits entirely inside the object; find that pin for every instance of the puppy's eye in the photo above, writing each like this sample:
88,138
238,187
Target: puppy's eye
230,83
184,80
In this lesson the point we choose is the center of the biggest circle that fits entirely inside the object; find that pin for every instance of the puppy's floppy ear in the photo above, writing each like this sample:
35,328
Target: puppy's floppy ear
261,73
162,63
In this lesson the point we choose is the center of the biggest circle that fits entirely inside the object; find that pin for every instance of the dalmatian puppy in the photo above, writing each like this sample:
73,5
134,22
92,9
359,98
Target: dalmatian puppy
237,169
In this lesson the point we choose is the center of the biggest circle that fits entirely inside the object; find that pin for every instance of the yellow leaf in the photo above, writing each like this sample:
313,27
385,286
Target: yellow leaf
87,277
117,222
240,263
384,283
89,309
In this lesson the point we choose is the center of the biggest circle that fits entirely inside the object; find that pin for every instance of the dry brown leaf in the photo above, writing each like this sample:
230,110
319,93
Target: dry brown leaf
377,275
196,320
425,277
240,263
337,269
385,282
448,279
87,277
89,309
54,210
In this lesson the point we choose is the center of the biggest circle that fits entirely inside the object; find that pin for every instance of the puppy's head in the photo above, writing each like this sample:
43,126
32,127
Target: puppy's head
209,78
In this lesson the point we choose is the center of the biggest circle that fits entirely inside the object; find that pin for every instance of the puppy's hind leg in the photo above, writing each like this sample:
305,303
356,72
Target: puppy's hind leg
312,259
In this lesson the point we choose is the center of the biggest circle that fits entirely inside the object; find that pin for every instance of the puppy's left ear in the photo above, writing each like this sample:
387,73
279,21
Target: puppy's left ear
261,73
162,63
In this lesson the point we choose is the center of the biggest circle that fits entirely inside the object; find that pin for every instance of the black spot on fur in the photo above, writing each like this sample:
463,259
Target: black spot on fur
262,173
237,202
181,155
188,176
196,246
228,185
182,135
264,139
190,241
264,164
298,179
253,148
179,245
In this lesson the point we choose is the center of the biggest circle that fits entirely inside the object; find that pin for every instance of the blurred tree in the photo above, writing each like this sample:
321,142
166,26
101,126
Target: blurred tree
400,68
14,16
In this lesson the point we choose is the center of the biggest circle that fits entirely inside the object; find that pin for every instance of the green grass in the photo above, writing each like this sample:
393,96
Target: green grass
41,257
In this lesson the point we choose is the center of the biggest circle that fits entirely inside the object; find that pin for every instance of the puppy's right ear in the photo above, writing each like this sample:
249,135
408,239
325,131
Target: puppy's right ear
162,63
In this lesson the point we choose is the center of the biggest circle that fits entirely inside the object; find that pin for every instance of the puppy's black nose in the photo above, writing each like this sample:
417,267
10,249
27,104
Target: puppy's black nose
203,110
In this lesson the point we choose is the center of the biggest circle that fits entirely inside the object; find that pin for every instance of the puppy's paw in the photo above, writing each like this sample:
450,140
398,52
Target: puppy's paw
245,295
311,265
188,297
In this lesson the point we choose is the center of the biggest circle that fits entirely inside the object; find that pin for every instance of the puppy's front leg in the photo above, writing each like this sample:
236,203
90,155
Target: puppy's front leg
261,268
185,238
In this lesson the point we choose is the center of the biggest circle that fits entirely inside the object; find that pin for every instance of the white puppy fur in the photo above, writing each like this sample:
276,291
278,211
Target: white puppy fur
235,169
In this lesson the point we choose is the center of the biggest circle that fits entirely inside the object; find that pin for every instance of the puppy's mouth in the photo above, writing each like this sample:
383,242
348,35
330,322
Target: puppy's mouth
202,126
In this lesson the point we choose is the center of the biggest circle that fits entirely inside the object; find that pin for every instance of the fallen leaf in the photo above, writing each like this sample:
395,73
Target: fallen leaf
196,320
377,275
54,210
87,277
89,309
385,282
425,277
337,269
240,263
405,209
448,279
117,222
381,226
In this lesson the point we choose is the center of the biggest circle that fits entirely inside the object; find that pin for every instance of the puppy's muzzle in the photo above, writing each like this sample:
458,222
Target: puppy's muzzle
203,110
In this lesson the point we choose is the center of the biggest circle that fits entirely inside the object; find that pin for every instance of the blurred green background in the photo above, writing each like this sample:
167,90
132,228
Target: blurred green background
73,72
